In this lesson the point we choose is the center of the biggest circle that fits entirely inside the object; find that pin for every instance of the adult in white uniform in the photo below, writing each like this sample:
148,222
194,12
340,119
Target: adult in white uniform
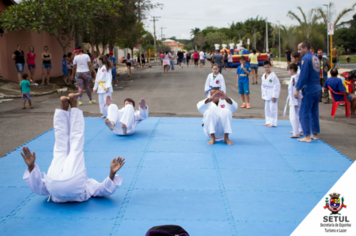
270,89
66,179
124,121
217,111
214,80
103,84
294,103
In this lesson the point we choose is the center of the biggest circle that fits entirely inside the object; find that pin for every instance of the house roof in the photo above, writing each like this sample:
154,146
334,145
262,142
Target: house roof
9,2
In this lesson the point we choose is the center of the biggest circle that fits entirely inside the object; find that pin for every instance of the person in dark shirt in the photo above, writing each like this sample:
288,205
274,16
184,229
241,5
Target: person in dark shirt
288,57
19,58
336,85
180,55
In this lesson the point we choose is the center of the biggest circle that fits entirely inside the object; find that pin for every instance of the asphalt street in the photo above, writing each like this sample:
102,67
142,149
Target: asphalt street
174,95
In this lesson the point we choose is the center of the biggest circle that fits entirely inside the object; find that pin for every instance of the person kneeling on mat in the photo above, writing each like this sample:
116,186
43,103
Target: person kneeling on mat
125,120
66,179
217,111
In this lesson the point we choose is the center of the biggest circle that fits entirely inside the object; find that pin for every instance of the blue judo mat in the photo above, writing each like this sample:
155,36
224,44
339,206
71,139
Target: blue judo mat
265,184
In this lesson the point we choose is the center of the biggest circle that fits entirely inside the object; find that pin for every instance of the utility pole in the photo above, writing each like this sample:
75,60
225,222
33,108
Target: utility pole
279,40
162,32
327,22
266,36
154,29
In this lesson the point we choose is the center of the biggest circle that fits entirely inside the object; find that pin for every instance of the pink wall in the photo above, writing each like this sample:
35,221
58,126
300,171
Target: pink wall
9,41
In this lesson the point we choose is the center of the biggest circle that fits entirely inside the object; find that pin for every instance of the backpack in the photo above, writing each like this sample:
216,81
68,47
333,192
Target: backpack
167,230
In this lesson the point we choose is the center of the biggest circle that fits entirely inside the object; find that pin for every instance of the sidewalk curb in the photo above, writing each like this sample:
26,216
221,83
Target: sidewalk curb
32,94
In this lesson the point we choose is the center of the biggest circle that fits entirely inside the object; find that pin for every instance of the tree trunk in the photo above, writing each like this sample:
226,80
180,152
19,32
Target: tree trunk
97,48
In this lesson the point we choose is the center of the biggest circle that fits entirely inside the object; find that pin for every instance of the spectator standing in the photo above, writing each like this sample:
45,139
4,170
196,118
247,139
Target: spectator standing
70,59
254,65
26,91
128,64
161,56
95,61
335,56
196,58
202,59
113,71
288,57
188,59
229,60
46,65
30,59
19,58
172,56
271,58
180,59
81,70
324,69
184,57
212,60
225,59
143,61
218,59
166,63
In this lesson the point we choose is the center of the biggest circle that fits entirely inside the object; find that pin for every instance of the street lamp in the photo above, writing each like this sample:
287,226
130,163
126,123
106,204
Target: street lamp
327,21
279,40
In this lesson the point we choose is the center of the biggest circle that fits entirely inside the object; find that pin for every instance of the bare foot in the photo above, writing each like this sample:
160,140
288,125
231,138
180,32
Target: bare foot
110,124
270,126
102,116
315,137
73,99
291,132
64,103
108,101
212,139
301,134
228,141
306,139
265,124
124,128
295,136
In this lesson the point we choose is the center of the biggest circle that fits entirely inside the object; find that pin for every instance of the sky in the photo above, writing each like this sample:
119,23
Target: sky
178,17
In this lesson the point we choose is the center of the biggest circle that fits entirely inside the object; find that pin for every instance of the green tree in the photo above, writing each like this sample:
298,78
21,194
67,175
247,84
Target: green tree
307,22
61,18
199,40
323,15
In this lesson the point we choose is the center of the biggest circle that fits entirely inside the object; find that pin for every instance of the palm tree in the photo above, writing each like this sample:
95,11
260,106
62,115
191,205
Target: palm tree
322,14
307,23
193,32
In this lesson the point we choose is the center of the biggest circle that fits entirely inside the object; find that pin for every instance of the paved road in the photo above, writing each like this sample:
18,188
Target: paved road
173,94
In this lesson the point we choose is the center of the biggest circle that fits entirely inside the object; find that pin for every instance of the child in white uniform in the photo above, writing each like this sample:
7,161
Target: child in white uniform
66,179
294,103
217,111
270,89
214,80
103,81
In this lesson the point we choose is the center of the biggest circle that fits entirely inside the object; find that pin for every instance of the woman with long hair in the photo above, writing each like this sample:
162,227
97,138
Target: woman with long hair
225,59
128,64
103,83
30,59
295,58
254,65
19,58
46,65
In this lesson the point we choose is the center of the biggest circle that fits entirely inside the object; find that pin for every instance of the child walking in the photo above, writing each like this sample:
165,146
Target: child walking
214,80
270,88
65,69
242,82
294,103
26,91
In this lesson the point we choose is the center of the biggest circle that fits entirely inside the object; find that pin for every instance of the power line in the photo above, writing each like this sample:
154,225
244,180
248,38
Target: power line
195,19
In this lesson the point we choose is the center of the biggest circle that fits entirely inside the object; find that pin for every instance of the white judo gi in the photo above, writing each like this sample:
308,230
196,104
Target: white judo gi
270,88
217,118
218,82
103,81
294,104
66,179
126,115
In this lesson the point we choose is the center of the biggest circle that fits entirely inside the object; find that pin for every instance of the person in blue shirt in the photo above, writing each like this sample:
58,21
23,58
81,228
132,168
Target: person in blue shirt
309,83
242,82
113,71
336,85
65,69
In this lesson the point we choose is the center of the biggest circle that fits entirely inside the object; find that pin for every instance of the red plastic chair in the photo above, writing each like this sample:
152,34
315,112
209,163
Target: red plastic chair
336,104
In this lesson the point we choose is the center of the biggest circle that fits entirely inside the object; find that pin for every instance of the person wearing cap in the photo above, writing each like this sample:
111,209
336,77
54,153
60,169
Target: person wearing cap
324,69
81,71
113,71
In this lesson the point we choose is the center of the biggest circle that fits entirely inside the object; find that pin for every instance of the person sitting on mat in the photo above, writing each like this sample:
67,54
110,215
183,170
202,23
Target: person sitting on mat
336,85
124,121
217,111
66,179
